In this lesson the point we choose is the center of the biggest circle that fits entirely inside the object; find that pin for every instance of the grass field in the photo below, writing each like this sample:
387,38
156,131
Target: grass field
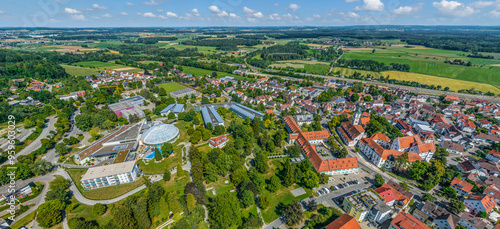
85,211
282,196
202,72
80,71
108,65
170,87
431,62
105,193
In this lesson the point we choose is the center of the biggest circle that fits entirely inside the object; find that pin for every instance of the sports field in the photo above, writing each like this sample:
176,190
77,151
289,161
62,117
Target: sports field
170,87
431,62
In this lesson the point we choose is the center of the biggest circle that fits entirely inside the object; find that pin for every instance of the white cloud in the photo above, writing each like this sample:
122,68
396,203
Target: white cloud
153,2
352,15
495,13
316,16
79,17
195,12
453,8
351,0
481,4
293,7
403,10
149,14
214,9
252,14
72,11
276,4
172,15
96,6
371,5
223,14
129,4
124,14
1,12
232,15
106,15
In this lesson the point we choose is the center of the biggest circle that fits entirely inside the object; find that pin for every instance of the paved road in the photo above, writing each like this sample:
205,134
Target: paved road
326,200
37,143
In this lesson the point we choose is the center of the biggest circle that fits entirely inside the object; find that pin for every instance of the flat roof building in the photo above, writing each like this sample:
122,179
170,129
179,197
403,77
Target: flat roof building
245,112
113,174
210,115
134,100
183,92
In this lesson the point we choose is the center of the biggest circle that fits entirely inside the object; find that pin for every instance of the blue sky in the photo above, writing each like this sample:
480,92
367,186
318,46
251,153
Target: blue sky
176,13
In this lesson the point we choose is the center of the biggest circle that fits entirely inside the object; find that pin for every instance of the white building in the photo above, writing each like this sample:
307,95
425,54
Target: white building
480,203
113,174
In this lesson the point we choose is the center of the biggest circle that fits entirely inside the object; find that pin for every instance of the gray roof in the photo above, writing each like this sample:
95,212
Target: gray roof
174,107
182,91
245,111
4,190
120,105
132,99
159,134
210,115
109,170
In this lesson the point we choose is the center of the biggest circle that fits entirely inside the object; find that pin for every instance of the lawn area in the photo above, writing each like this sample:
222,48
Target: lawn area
108,65
281,197
85,211
105,193
220,186
24,221
202,72
150,167
170,87
204,148
80,71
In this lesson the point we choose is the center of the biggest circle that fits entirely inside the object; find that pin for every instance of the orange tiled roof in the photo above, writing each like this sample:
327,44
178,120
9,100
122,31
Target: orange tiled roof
462,185
487,201
345,221
407,141
426,147
405,221
380,136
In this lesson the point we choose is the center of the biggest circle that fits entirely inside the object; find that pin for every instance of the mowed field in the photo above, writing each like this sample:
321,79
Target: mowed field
202,72
170,87
431,62
108,65
80,71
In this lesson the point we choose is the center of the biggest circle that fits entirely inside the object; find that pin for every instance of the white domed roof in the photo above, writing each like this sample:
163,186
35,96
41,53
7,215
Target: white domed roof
159,134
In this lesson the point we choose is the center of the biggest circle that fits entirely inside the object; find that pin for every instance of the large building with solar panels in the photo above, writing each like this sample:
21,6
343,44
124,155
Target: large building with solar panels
210,115
245,112
176,108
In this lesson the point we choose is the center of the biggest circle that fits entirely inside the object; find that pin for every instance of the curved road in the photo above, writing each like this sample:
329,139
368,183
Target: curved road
49,126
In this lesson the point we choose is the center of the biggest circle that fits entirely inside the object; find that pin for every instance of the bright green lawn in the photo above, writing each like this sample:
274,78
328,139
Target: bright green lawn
79,71
202,72
170,87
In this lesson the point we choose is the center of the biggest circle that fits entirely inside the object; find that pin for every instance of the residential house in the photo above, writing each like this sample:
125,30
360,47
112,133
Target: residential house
406,221
480,203
462,187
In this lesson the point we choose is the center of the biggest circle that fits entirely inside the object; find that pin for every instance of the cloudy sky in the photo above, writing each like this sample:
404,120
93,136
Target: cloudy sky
175,13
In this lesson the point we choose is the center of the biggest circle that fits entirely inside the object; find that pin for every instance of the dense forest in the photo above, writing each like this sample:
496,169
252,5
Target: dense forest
290,51
152,40
223,44
371,65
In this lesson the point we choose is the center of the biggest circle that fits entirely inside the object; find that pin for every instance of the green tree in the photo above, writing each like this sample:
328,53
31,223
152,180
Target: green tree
247,198
456,206
191,202
428,197
224,211
289,170
59,183
482,214
379,180
274,184
171,115
61,149
48,218
180,171
239,175
310,179
263,202
260,161
450,193
167,175
158,156
293,213
98,209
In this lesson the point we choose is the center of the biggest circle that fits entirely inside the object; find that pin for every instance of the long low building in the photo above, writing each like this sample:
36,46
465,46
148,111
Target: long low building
210,115
184,92
108,175
306,141
246,112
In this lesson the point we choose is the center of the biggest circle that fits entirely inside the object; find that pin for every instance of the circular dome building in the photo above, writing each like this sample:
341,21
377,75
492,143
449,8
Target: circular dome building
159,134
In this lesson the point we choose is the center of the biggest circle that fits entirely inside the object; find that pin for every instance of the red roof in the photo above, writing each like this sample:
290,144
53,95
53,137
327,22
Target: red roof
218,140
462,185
386,193
345,221
405,221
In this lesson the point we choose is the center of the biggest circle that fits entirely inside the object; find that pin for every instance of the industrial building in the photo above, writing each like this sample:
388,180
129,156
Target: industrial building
183,92
210,115
113,174
126,109
245,112
134,100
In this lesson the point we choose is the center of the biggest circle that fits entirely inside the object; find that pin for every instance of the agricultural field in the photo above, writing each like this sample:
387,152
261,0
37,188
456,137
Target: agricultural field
431,62
80,71
202,72
108,65
170,87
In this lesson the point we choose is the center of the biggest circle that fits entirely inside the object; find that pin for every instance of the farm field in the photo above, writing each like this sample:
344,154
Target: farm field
170,87
108,65
202,72
431,62
80,71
